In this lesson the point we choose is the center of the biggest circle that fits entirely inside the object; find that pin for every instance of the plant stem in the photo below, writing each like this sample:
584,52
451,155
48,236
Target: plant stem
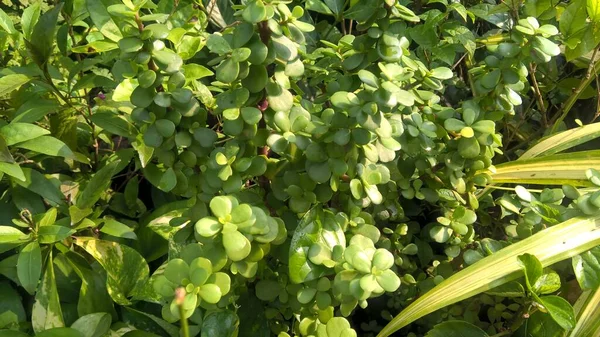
179,298
575,96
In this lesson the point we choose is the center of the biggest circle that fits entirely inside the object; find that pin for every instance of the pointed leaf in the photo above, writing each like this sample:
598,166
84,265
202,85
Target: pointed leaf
47,313
126,269
97,185
29,266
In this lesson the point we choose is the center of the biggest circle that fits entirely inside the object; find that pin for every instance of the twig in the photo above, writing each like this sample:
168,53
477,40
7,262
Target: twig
575,96
538,94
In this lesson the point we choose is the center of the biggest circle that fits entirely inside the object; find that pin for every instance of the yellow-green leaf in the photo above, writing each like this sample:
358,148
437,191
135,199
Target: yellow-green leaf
551,245
557,169
563,141
126,269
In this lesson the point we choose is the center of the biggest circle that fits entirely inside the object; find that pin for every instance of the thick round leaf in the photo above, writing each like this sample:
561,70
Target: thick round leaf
237,246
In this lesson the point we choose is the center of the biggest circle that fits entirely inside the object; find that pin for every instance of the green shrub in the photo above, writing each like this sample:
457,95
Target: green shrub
298,168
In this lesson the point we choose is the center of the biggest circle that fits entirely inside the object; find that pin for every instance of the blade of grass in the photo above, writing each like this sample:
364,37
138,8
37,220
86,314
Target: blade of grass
562,141
588,315
557,169
551,245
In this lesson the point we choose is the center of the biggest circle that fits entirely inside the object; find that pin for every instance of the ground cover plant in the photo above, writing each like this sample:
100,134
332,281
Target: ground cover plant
322,168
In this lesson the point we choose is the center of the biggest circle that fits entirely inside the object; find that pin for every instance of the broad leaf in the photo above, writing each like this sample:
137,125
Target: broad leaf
114,124
39,184
42,37
587,268
93,296
220,324
97,186
456,329
102,20
12,82
48,145
126,269
93,325
47,312
12,235
29,266
14,133
560,310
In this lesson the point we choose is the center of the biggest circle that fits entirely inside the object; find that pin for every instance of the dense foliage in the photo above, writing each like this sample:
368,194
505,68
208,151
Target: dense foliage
299,168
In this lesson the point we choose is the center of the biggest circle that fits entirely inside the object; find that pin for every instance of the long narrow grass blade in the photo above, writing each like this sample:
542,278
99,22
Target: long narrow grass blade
551,245
588,315
557,169
562,141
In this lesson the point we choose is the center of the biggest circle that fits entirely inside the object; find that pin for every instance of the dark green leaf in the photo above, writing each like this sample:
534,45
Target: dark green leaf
220,324
96,186
114,124
11,301
456,329
42,37
38,183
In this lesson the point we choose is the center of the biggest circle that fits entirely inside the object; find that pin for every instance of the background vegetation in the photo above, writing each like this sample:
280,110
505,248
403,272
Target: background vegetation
306,168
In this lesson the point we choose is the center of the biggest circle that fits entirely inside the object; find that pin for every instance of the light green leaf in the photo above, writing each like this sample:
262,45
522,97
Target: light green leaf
593,10
59,332
13,170
53,233
118,229
587,268
563,141
126,269
102,20
21,132
11,235
317,226
12,82
48,145
29,266
31,14
6,23
93,325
